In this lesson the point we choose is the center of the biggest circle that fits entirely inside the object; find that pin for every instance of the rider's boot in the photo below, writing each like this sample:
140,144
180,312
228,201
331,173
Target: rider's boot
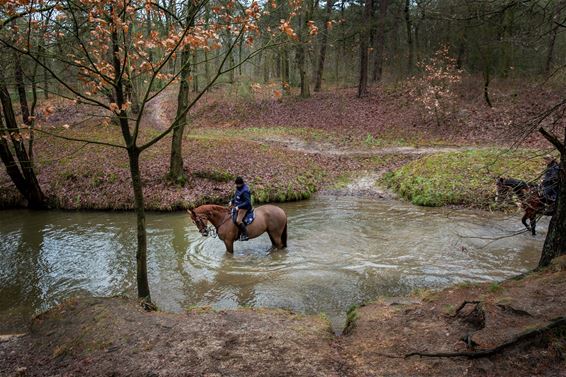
243,232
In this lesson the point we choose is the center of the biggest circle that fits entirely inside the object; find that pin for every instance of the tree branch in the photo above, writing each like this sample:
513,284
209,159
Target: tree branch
552,139
79,139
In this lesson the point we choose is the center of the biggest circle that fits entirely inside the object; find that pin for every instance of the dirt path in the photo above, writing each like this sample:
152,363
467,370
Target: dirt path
365,183
160,111
329,149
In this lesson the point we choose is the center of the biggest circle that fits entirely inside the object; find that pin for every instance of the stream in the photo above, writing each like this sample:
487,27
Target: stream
342,251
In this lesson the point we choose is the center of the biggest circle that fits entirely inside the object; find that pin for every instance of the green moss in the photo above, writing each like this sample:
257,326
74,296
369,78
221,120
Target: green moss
462,178
495,287
351,316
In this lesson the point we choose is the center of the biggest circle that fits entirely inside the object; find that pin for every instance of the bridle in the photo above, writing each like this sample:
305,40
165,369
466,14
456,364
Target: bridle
209,230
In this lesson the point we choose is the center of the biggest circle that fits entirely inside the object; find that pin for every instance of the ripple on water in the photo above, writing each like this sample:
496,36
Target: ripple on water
342,251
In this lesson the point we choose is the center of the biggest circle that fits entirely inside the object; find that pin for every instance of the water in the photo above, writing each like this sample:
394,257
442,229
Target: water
342,251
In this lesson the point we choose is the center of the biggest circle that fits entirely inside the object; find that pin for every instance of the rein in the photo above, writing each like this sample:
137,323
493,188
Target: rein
213,230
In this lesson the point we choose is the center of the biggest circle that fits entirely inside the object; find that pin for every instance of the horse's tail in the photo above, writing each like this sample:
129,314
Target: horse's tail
284,236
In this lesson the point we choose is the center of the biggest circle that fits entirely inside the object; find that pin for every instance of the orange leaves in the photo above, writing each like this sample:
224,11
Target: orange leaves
313,29
286,28
116,109
170,43
48,110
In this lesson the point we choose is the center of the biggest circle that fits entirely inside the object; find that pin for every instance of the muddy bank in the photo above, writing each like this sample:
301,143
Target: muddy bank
113,336
468,318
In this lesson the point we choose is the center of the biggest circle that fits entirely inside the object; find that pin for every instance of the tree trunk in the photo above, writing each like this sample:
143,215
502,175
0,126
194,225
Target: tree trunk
303,72
9,163
323,44
131,95
364,53
460,55
206,68
266,61
379,46
45,73
341,52
550,53
141,253
285,71
195,74
21,88
240,56
133,157
487,80
231,60
408,24
25,180
176,171
555,242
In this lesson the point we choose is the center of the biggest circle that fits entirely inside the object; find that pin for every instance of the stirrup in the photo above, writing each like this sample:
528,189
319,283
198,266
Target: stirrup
244,237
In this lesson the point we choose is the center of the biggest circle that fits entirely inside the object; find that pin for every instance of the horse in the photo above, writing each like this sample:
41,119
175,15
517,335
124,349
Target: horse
268,218
529,197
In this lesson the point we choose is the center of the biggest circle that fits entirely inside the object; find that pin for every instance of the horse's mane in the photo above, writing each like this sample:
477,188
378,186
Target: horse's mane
515,184
211,207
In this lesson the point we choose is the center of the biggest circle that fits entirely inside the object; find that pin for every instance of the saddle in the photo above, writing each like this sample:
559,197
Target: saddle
248,219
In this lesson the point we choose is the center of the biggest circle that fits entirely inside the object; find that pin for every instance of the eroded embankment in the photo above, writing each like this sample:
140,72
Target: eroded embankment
113,336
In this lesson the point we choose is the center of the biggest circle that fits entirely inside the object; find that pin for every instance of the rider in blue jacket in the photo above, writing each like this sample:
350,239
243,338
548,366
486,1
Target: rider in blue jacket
242,204
549,185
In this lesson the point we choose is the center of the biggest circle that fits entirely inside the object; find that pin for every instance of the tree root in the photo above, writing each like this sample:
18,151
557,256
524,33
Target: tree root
557,322
463,305
510,309
147,305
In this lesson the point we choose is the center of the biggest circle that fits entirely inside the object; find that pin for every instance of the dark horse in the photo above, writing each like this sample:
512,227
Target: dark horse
268,218
529,197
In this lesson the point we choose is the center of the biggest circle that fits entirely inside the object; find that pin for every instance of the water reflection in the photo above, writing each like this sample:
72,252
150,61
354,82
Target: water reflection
341,251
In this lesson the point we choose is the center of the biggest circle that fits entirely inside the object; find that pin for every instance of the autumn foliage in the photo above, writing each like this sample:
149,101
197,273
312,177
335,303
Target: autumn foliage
433,88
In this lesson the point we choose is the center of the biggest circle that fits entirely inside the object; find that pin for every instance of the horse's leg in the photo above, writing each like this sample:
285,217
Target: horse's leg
533,222
229,246
271,238
276,240
524,220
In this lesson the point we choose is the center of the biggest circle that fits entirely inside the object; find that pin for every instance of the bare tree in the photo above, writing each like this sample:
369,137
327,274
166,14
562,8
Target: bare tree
364,53
323,45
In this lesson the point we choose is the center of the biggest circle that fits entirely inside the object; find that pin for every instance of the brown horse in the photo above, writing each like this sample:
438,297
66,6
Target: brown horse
268,218
529,197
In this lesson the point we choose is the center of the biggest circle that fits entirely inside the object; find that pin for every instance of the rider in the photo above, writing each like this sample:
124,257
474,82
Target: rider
549,182
242,202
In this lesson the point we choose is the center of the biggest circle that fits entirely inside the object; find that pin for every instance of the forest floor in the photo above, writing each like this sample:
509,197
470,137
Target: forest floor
114,336
288,148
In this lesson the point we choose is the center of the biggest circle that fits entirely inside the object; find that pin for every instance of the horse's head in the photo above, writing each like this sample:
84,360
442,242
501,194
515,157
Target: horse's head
501,190
200,221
